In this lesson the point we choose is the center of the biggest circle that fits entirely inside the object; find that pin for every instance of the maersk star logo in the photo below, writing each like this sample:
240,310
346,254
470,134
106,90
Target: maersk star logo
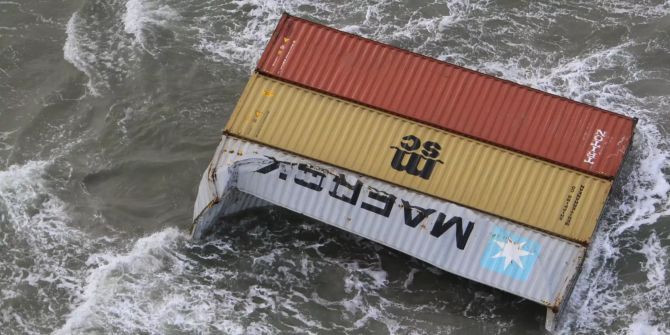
510,254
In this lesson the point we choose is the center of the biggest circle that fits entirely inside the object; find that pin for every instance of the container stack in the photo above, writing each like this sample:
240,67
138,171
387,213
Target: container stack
487,179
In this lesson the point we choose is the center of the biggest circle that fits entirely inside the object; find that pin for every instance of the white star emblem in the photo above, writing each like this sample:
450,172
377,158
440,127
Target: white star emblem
512,252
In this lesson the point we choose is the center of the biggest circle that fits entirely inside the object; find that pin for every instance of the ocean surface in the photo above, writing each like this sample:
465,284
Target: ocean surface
111,109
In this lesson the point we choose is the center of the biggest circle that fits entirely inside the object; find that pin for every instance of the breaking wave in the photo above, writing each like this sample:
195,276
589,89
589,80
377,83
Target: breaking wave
141,15
40,268
242,44
260,278
76,52
106,39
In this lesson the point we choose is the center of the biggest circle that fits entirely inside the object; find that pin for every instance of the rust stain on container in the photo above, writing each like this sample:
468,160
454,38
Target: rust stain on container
535,123
505,183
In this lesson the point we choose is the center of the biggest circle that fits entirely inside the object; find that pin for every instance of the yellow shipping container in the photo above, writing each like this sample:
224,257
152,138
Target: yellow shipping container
449,166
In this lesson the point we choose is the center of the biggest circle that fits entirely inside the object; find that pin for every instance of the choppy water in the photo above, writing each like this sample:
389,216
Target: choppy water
111,109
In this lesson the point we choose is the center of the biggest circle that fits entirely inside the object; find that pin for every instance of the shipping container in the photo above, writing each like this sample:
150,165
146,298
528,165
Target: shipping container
426,159
449,97
484,248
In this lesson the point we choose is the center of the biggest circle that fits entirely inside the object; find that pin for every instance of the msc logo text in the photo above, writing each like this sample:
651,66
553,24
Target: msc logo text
414,158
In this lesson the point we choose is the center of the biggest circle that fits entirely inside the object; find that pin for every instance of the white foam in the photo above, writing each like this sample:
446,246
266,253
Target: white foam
601,296
39,248
657,261
649,187
355,282
458,10
106,43
147,256
641,326
30,207
410,278
155,288
600,76
75,54
143,14
268,259
136,290
243,44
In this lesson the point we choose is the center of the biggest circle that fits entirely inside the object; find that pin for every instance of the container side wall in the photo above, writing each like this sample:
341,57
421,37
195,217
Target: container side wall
429,160
484,248
446,96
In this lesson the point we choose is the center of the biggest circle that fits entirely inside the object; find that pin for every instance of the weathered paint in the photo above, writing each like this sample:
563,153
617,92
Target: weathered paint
449,166
484,248
447,96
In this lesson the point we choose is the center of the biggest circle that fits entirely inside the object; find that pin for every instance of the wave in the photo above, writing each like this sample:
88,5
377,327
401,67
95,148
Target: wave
40,251
142,15
107,39
602,296
112,286
75,53
164,283
260,280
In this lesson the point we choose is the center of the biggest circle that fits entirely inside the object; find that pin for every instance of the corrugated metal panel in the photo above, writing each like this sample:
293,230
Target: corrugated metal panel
468,243
464,171
446,96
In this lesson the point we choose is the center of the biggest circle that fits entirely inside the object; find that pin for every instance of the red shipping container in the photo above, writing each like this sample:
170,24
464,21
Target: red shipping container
480,106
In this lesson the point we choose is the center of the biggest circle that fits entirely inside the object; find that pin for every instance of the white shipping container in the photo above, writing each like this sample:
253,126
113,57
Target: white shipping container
459,240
